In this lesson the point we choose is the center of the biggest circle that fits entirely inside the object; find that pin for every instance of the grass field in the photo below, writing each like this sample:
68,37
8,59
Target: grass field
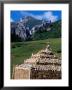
23,50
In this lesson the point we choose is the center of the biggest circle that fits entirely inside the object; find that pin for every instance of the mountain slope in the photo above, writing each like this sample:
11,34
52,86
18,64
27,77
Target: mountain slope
29,28
55,32
32,22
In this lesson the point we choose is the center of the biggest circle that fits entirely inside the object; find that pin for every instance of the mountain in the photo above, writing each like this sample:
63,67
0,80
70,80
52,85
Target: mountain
55,32
29,28
32,22
14,37
20,30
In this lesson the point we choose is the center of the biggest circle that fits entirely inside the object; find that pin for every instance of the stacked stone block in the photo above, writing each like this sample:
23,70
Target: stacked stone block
43,65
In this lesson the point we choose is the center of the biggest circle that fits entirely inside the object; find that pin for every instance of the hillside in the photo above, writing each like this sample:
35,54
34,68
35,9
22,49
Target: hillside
29,28
32,22
23,50
55,32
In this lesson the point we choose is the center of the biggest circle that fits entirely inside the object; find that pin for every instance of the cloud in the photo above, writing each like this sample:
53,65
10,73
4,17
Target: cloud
23,13
50,16
11,20
40,17
32,15
46,15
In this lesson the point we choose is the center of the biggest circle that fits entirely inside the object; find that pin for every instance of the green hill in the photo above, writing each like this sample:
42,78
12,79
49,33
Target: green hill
23,50
55,32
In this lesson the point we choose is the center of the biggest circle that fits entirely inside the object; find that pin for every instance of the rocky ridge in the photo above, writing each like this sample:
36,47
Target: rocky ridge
24,30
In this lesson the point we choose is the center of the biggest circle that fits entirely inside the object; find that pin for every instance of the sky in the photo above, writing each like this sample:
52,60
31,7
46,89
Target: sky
48,15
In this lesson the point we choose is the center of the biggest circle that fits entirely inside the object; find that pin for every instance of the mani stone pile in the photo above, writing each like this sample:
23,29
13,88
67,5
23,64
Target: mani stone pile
43,65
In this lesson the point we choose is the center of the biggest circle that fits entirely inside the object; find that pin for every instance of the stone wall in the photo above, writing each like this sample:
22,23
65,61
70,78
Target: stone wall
21,73
43,65
45,74
38,72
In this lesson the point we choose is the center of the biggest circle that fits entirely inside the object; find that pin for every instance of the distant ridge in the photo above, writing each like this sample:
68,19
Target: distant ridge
22,30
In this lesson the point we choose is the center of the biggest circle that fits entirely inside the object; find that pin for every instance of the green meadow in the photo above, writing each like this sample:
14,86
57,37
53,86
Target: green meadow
23,50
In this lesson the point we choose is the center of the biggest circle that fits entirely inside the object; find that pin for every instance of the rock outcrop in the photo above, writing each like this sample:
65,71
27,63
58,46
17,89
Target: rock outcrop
24,30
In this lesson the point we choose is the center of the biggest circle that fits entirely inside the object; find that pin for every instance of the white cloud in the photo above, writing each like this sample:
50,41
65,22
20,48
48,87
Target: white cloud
47,15
11,20
32,15
23,13
50,16
38,17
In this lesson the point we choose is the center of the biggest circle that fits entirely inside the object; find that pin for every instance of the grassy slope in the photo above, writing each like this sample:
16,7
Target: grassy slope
55,32
23,50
